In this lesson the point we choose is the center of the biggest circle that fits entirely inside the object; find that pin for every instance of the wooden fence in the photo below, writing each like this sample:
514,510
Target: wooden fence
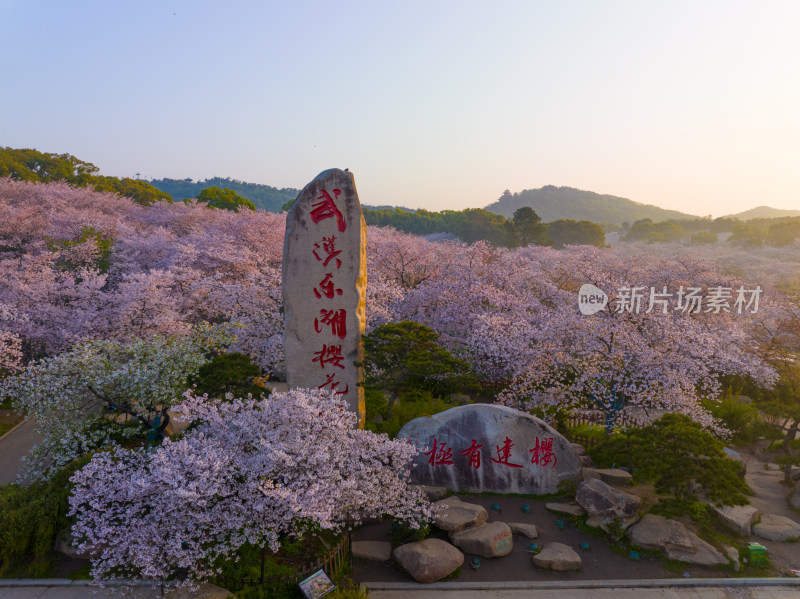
331,562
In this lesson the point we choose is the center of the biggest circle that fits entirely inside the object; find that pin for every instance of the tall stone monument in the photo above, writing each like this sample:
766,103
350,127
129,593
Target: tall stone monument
324,288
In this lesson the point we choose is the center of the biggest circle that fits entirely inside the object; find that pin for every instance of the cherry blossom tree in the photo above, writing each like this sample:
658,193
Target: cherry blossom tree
83,398
252,471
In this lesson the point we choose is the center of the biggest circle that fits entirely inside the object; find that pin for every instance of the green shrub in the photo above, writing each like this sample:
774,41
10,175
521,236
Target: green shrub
228,373
31,518
675,453
741,418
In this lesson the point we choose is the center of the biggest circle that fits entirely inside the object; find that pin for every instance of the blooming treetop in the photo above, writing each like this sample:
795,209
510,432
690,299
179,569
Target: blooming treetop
76,397
252,471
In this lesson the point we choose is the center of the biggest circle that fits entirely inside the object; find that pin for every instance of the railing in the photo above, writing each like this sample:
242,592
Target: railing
330,562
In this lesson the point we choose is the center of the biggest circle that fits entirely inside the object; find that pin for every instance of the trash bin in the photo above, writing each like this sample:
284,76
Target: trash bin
758,554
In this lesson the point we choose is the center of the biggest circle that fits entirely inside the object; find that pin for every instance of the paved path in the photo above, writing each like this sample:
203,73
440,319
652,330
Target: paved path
628,589
13,445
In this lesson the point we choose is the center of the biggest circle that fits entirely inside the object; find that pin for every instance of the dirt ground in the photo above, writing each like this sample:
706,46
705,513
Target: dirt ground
603,560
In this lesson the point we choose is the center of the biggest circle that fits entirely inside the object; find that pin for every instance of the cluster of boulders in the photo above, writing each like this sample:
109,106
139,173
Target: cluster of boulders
469,531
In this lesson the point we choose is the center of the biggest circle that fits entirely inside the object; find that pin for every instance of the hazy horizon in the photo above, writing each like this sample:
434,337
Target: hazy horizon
686,106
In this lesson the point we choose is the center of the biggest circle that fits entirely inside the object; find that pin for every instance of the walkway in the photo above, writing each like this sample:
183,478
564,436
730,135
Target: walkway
13,446
736,588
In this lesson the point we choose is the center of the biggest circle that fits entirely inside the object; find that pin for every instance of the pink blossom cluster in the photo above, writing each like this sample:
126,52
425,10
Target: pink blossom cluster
512,314
251,472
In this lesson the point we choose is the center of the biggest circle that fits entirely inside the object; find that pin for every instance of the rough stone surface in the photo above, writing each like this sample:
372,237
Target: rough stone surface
738,518
588,473
324,291
377,551
675,541
606,505
585,460
733,554
512,452
524,529
204,591
570,509
557,556
432,493
429,560
614,476
794,497
493,539
578,448
776,528
454,515
63,544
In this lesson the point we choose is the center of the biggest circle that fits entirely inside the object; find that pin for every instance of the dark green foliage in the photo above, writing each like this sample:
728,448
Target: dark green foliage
224,199
140,191
32,165
747,236
674,453
104,244
414,404
228,373
263,197
31,518
741,418
528,228
646,230
570,232
470,225
406,375
405,356
702,237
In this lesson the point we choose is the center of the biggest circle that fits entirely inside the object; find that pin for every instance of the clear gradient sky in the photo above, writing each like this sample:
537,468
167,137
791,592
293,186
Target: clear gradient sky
691,105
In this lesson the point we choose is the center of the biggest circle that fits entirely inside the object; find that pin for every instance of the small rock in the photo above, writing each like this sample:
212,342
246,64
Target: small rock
733,555
488,540
523,528
606,505
615,476
377,551
570,509
738,518
557,556
776,528
432,493
675,541
585,460
578,448
588,473
429,560
454,515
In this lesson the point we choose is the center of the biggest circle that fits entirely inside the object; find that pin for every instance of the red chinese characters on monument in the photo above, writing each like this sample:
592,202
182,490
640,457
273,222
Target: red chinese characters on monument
329,354
326,288
328,247
504,454
334,385
330,320
542,453
327,209
440,454
473,452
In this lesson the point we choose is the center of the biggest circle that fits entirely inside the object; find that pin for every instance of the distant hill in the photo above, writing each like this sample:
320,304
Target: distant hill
763,212
263,196
554,203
